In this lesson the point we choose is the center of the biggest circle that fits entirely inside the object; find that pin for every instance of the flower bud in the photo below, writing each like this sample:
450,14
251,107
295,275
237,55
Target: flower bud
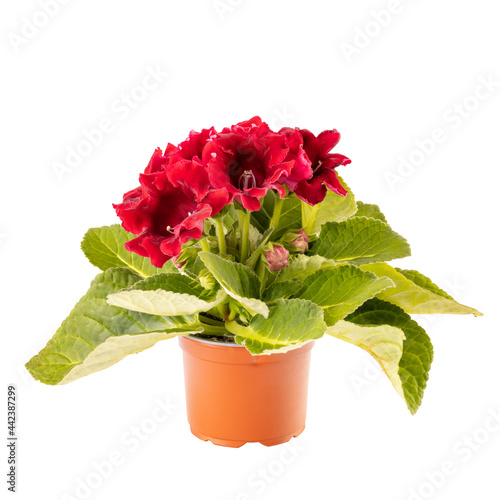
277,258
207,280
301,242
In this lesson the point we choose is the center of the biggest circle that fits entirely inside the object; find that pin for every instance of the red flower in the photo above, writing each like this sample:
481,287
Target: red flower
313,190
247,161
169,208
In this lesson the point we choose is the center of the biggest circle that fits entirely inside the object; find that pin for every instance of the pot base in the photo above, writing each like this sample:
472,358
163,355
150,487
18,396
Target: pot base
238,444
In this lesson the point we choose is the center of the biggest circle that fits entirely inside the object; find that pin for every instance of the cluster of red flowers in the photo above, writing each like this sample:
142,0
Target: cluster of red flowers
188,183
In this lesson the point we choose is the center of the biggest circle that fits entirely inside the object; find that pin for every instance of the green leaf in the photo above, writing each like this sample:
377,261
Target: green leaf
290,216
264,238
230,217
239,282
415,293
254,238
96,335
193,270
168,294
384,343
261,218
281,290
303,266
105,248
334,208
416,360
290,323
423,282
173,282
369,210
341,290
360,240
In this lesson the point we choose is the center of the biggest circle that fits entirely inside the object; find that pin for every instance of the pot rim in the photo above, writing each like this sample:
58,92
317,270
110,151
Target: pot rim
239,353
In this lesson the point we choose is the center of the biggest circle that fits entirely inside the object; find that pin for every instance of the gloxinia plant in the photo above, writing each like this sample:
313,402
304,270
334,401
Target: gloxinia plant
248,235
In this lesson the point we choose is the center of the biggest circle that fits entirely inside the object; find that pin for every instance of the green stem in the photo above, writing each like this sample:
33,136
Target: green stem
223,310
210,321
219,227
308,216
245,232
276,214
204,245
236,328
214,330
261,272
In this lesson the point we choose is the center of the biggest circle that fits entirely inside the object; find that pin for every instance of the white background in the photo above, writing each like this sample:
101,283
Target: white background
295,63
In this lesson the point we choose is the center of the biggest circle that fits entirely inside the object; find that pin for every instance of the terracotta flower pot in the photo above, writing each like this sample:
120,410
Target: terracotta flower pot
235,398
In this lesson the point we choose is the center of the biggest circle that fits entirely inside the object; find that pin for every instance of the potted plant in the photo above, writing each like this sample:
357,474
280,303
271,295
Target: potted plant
247,246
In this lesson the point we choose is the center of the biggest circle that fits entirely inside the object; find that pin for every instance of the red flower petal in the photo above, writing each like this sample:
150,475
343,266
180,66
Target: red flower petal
335,160
301,164
194,144
278,171
194,219
317,147
329,177
156,162
190,175
148,246
248,201
217,199
276,149
171,247
247,125
280,189
311,191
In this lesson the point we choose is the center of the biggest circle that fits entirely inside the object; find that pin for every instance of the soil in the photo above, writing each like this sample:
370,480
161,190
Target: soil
212,317
225,339
216,338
